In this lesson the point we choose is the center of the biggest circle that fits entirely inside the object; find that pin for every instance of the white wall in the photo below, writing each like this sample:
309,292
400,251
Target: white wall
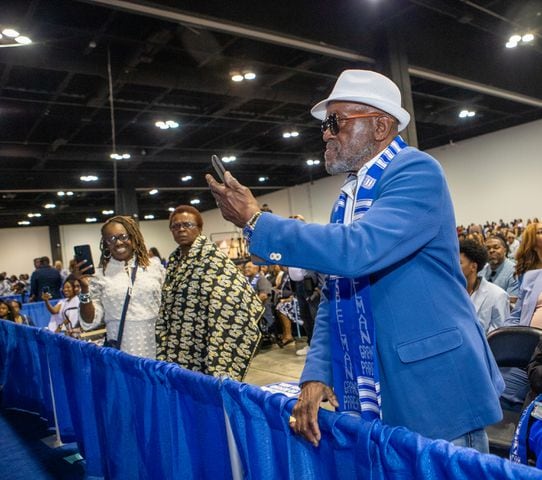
19,247
493,176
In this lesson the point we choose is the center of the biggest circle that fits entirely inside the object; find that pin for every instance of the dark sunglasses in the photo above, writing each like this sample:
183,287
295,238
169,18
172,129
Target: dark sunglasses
332,121
178,225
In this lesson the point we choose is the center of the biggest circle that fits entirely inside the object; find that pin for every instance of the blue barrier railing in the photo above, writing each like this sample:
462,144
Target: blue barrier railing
139,419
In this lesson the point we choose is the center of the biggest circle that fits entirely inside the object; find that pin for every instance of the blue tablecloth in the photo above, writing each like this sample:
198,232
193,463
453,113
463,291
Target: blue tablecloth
38,313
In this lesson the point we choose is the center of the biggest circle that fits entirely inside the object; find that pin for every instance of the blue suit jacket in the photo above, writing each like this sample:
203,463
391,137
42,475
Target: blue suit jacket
438,376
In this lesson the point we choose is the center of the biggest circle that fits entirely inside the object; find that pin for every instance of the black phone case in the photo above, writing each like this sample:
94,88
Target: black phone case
218,166
83,252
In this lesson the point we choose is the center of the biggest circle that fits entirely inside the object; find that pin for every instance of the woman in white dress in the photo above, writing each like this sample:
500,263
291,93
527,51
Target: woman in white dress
65,314
103,295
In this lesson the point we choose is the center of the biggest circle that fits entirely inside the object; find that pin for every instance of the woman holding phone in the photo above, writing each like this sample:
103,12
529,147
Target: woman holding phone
124,276
65,314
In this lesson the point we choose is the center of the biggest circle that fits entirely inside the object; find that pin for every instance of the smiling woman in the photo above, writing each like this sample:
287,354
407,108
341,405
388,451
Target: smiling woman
125,280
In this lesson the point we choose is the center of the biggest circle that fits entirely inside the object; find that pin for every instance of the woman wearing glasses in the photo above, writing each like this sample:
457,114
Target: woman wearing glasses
209,314
124,273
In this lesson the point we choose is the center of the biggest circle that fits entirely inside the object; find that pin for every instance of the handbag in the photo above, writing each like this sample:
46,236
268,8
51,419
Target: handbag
118,341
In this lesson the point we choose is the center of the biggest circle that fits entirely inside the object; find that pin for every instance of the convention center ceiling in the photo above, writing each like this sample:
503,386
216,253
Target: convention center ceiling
234,78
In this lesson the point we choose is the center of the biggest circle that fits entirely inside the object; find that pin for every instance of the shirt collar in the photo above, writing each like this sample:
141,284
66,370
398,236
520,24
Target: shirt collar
354,179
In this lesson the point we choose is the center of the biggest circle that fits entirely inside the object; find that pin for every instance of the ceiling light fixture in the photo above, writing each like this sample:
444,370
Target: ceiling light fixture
120,156
186,178
149,217
290,134
69,194
23,40
195,201
263,179
516,40
154,191
466,113
310,162
171,209
10,32
88,178
237,77
108,212
249,75
49,205
23,222
91,219
228,159
166,125
31,215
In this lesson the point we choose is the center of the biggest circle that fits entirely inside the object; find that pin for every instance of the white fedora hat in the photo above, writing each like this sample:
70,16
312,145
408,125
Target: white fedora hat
369,88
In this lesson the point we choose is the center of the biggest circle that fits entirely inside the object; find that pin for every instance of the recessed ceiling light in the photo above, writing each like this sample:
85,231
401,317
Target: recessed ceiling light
312,162
91,219
154,191
510,44
195,201
263,179
69,194
249,75
171,209
108,212
23,222
528,37
167,124
61,194
186,178
49,205
149,217
228,159
466,113
120,156
30,215
291,133
237,77
23,40
10,32
88,178
515,38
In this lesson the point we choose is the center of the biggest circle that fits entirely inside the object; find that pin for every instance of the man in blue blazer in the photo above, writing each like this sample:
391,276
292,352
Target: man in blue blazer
396,334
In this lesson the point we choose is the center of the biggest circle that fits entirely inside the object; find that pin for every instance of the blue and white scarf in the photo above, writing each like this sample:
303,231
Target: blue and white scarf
355,369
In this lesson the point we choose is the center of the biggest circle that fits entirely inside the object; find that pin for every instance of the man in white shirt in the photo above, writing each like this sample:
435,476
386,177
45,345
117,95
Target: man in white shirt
490,301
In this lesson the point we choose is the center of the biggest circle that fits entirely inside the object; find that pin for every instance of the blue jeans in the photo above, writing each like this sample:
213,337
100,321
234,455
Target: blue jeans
476,439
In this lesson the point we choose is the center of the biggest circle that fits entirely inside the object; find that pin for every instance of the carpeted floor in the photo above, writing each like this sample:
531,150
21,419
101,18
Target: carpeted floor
23,456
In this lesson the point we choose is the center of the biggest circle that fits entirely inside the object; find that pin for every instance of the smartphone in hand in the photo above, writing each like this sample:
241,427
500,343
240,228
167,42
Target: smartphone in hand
82,252
218,166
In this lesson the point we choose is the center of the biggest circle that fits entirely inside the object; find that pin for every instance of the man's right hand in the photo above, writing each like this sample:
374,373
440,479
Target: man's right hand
305,410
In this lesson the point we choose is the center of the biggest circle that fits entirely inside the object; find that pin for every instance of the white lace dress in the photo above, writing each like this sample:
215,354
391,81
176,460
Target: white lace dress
108,292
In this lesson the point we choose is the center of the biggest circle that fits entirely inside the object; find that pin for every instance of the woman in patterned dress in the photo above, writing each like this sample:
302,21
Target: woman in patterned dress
209,314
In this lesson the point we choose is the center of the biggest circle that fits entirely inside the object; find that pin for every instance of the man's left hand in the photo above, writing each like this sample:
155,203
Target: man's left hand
234,200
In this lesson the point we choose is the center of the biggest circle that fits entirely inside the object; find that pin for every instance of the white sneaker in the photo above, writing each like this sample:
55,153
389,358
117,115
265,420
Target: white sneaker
302,352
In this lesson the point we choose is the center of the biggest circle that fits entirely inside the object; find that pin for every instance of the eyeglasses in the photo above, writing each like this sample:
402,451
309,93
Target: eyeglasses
123,237
332,121
178,225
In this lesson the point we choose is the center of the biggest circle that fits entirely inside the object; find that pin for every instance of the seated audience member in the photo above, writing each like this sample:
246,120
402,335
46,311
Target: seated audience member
500,270
209,314
65,314
513,244
124,268
45,277
527,312
490,301
18,317
264,291
287,308
527,445
5,286
6,312
529,254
